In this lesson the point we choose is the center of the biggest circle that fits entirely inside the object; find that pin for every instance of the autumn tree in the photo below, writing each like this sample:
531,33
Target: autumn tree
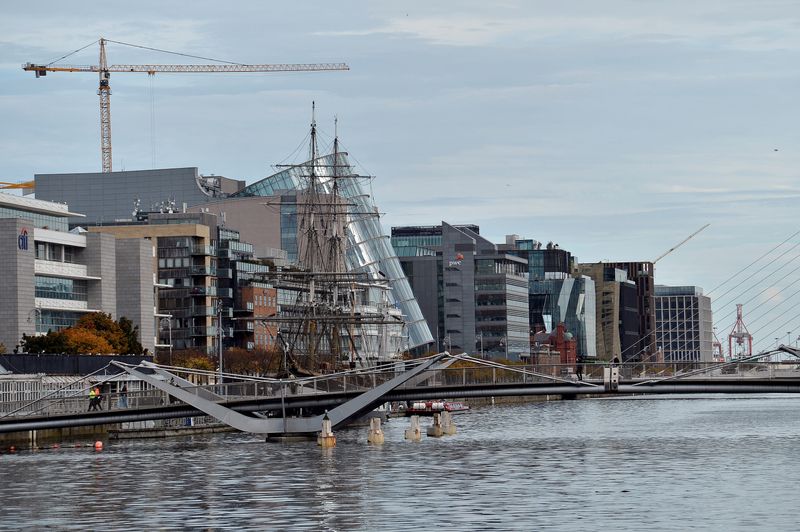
94,332
192,358
81,340
102,325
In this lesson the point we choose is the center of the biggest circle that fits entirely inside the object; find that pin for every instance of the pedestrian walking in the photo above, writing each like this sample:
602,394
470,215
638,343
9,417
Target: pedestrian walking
98,398
579,367
123,397
92,399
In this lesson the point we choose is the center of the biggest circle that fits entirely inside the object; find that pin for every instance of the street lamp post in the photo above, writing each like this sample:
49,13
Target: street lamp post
37,318
480,334
169,327
219,336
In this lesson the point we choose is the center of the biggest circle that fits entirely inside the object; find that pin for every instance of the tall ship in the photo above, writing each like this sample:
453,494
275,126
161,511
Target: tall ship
338,308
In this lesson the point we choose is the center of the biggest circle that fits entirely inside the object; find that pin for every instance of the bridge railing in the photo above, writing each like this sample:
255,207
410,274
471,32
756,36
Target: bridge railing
463,374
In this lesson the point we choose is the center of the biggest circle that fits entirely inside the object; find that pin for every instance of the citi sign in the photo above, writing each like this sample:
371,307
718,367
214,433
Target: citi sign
22,239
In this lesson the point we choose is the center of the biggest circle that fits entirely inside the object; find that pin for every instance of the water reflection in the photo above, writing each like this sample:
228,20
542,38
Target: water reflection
656,464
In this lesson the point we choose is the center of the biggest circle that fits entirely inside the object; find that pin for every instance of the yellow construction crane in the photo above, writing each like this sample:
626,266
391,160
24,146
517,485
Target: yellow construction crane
104,70
25,186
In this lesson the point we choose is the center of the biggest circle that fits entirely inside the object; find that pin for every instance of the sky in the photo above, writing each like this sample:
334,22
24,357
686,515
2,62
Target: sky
613,128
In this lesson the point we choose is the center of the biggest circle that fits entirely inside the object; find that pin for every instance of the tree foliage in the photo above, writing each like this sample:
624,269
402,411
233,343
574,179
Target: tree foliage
235,360
81,340
94,333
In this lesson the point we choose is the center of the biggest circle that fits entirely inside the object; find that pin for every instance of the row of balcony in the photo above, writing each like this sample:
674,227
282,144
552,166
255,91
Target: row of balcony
227,332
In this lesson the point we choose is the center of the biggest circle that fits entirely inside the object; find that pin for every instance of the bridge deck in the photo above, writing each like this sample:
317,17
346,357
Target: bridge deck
309,396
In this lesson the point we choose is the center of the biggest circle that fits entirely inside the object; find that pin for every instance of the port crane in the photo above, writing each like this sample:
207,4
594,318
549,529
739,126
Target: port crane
104,71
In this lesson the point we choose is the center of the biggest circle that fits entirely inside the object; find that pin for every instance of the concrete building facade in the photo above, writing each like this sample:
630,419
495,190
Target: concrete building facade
184,266
642,273
109,198
54,276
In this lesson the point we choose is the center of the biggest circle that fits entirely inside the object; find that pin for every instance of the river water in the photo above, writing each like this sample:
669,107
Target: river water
663,463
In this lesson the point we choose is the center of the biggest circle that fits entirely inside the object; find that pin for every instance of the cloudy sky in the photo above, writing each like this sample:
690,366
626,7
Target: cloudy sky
614,128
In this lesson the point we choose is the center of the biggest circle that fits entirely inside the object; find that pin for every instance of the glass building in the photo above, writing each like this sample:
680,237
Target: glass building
368,247
573,303
474,296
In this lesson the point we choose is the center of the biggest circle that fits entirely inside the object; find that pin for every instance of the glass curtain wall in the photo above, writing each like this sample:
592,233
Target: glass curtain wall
369,248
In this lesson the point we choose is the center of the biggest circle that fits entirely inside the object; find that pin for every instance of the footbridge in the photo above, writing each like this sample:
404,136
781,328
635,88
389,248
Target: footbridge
298,405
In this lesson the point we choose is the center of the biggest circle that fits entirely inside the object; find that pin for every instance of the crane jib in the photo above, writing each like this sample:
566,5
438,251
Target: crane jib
41,70
104,70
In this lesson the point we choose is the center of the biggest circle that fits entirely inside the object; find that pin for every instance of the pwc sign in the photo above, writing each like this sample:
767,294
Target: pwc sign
22,239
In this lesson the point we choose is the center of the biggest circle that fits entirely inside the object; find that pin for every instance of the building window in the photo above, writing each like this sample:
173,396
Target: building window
58,288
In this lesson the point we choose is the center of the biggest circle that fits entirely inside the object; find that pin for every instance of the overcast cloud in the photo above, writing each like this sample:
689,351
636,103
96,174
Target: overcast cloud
613,128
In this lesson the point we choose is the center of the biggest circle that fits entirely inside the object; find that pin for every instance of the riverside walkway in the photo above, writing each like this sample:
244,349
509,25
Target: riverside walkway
292,406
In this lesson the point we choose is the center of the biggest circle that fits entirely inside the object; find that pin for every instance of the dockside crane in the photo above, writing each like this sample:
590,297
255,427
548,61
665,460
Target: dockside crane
104,71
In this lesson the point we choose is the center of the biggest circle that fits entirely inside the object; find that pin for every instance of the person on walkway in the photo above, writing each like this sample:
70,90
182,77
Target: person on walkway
615,362
92,399
98,398
123,397
579,367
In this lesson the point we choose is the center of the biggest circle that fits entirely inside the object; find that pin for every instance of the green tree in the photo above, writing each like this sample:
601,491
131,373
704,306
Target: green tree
131,334
52,342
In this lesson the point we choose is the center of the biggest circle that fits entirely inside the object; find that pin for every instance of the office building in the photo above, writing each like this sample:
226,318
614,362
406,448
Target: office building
684,324
642,274
616,310
53,276
473,295
544,262
109,198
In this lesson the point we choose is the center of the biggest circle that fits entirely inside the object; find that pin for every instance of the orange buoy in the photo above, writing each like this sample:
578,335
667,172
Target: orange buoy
98,445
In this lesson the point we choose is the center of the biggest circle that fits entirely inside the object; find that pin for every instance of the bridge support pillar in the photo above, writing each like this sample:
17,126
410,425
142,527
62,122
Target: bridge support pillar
375,434
448,427
413,432
326,438
436,430
611,378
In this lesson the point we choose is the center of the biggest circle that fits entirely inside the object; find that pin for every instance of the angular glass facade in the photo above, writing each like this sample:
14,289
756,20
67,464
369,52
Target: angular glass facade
368,247
573,304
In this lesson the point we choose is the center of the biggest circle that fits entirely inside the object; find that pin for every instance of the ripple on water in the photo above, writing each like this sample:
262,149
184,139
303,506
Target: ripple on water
656,464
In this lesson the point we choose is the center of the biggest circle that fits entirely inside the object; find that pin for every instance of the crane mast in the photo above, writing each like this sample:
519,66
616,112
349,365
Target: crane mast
104,90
